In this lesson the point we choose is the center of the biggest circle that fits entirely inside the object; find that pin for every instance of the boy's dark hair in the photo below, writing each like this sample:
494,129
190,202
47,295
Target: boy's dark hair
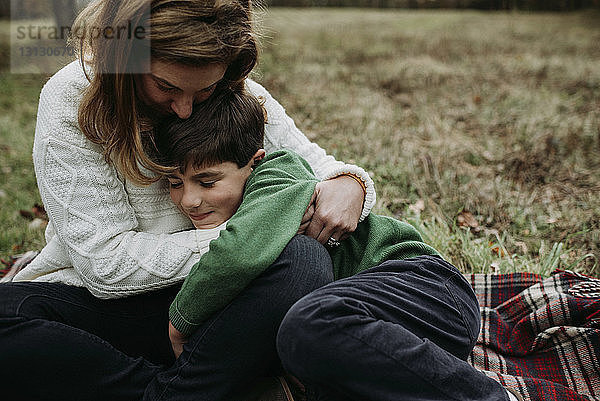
227,127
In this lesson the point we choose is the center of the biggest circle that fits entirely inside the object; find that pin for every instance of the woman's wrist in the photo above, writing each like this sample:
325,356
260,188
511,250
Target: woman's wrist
357,179
370,196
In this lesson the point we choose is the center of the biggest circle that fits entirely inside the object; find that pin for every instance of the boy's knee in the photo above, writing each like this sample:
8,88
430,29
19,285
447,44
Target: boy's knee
302,267
308,250
308,263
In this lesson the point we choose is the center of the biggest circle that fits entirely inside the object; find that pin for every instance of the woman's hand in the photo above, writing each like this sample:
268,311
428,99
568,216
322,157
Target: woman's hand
334,209
177,340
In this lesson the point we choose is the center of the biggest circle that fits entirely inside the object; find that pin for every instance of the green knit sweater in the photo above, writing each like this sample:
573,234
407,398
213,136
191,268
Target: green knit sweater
276,195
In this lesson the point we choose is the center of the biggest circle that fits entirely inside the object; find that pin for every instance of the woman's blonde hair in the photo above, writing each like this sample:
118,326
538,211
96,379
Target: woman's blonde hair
190,32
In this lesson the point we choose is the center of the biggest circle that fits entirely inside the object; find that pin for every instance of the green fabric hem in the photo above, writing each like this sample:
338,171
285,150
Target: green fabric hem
179,322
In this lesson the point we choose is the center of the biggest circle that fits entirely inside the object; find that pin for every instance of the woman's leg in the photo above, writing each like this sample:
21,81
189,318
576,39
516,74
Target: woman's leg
59,342
237,345
399,331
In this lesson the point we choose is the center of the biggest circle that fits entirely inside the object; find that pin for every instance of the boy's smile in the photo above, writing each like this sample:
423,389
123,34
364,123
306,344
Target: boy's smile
210,195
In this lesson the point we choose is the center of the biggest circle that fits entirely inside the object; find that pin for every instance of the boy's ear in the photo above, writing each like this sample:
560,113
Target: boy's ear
258,156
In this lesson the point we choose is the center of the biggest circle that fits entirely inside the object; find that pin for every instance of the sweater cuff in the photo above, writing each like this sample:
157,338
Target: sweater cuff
179,322
370,196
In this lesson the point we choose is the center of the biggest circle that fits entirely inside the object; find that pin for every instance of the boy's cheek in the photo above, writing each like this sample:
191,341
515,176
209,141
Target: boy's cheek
174,197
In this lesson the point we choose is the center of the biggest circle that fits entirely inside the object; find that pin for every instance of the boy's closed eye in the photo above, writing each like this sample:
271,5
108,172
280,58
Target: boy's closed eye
175,182
208,178
209,184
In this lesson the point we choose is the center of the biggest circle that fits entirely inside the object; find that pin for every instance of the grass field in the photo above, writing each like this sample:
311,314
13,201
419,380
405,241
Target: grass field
482,129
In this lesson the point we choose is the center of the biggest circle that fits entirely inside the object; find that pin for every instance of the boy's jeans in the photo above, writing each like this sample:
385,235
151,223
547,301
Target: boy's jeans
399,331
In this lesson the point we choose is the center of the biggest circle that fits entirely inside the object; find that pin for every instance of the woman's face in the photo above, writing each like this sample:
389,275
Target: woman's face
174,88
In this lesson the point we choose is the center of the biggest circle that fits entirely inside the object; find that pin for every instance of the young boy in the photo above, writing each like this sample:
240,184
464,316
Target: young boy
387,328
223,175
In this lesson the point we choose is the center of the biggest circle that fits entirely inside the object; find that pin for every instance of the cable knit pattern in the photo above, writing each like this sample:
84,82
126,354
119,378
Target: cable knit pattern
113,237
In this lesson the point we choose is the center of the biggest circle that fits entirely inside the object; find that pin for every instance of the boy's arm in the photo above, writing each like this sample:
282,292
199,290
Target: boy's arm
275,198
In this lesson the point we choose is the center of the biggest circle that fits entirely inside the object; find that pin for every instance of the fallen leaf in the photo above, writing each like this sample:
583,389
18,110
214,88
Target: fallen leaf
26,214
36,212
497,249
466,219
39,211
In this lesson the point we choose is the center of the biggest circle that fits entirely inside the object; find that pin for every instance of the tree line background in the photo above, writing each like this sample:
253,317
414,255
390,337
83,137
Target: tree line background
65,10
529,5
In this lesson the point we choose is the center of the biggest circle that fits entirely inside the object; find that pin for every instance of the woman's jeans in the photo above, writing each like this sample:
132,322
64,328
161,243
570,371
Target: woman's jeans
60,343
399,331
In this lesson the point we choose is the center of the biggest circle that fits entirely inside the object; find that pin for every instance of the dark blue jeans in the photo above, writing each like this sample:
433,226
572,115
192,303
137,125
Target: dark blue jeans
60,343
399,331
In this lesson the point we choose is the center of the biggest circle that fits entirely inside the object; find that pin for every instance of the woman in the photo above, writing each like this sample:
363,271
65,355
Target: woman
117,249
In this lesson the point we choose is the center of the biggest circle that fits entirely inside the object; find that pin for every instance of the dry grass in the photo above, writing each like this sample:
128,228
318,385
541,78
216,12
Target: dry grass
496,114
492,113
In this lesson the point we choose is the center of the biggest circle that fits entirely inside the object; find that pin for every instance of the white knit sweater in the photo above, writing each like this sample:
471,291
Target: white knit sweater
107,234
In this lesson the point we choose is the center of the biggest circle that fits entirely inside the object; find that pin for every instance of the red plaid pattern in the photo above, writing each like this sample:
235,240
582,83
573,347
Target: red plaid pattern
540,336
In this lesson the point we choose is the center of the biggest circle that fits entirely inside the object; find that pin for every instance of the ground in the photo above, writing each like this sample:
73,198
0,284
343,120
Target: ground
482,129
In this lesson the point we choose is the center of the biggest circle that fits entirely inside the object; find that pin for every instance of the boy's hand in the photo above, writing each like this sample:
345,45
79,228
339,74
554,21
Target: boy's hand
177,340
337,207
308,215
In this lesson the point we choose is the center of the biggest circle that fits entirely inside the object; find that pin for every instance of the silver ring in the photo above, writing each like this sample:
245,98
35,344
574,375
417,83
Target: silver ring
332,242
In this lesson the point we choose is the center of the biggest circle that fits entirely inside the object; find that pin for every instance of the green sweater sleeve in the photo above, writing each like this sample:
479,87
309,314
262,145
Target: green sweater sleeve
282,185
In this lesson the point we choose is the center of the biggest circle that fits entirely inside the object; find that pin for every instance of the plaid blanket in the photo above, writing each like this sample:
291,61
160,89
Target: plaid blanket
540,336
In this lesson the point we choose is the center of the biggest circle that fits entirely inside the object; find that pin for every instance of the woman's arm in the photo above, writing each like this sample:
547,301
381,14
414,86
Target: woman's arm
90,209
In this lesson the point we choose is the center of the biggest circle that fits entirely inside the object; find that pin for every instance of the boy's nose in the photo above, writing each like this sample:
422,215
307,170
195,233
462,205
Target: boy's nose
190,200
